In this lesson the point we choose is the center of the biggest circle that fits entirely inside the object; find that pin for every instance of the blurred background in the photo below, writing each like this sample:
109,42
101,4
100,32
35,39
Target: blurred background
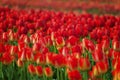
90,6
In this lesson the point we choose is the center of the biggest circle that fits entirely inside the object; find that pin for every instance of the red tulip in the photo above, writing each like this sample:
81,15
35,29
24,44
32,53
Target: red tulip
64,50
39,70
49,58
48,72
59,60
102,67
59,41
40,58
72,40
84,64
31,69
94,72
36,47
98,55
105,45
116,74
116,45
89,45
74,75
20,63
72,62
7,58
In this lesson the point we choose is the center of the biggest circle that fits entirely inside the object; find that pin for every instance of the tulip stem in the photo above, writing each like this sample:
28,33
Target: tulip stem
44,77
1,73
85,75
61,75
58,78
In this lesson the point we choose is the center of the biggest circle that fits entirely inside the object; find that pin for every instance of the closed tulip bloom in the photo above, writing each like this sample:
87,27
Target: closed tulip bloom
7,58
74,75
48,72
59,61
84,64
94,72
39,70
59,41
116,45
72,62
20,63
31,69
97,55
88,44
102,67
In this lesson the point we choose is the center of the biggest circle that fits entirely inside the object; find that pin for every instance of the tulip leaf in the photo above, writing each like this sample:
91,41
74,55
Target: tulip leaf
53,49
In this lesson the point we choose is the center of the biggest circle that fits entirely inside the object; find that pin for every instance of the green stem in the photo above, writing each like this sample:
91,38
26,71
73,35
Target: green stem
1,73
44,77
61,75
58,77
65,74
85,75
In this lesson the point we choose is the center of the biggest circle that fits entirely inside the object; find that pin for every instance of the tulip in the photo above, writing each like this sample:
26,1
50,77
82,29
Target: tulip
40,58
59,41
39,70
7,58
74,75
20,63
89,45
116,45
31,69
84,64
72,40
102,67
97,55
48,71
72,62
59,61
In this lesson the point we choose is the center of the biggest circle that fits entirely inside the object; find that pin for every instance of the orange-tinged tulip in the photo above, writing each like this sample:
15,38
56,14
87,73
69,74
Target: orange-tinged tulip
72,62
48,72
20,63
31,69
116,45
59,41
102,67
39,70
84,64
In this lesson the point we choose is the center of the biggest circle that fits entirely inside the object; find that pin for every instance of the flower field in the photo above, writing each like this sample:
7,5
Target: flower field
53,45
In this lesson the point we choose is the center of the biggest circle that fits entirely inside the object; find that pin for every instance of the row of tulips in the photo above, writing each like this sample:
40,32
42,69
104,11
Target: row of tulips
68,5
51,45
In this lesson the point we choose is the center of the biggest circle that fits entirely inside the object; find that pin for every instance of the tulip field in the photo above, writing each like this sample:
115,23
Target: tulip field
56,45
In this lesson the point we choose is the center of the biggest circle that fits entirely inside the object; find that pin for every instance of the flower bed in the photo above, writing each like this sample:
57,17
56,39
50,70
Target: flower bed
101,6
51,45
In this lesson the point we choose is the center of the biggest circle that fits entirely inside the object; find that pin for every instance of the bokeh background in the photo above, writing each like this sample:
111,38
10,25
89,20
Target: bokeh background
90,6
